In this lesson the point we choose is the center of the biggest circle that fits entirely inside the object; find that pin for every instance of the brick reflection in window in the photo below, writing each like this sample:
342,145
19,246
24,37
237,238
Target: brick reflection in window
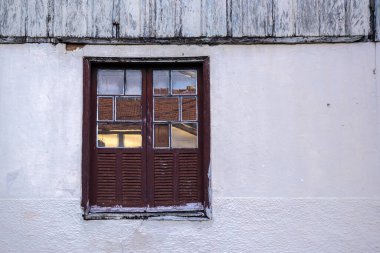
128,108
166,109
105,108
189,108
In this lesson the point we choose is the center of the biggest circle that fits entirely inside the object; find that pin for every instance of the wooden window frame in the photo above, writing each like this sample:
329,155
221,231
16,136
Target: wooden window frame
89,63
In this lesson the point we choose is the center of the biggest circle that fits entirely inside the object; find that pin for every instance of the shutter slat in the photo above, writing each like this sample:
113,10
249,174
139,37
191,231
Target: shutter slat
188,177
106,179
163,179
131,166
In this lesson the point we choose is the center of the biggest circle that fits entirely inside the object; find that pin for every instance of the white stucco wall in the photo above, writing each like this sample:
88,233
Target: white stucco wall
295,152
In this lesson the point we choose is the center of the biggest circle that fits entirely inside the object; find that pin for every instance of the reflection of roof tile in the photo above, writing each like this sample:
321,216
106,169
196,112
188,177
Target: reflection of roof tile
128,109
105,110
166,109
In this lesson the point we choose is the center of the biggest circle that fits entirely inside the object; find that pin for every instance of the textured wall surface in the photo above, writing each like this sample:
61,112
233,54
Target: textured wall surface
125,21
295,136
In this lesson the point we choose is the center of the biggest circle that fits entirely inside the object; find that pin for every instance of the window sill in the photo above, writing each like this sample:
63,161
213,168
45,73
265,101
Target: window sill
192,211
183,215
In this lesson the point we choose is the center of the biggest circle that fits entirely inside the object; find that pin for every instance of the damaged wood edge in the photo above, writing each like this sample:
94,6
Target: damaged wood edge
188,40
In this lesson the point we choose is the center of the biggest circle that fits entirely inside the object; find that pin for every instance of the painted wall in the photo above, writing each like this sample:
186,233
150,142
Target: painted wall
295,152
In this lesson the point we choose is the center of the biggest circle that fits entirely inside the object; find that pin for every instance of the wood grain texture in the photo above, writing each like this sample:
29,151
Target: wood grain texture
284,17
13,14
214,18
102,18
148,18
257,18
71,17
38,10
359,17
130,22
165,18
191,18
332,17
307,21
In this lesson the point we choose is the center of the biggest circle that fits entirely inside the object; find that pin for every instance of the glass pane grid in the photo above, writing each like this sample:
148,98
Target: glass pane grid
124,128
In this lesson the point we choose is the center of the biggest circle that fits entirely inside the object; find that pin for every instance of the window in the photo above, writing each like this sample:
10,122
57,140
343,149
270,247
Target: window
146,137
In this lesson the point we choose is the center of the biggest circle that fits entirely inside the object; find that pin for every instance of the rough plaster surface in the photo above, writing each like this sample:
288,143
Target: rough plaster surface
295,152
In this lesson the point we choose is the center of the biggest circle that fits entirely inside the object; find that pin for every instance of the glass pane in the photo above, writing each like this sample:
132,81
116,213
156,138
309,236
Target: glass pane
110,82
161,135
119,135
184,135
128,108
105,108
166,109
134,82
189,108
161,82
184,82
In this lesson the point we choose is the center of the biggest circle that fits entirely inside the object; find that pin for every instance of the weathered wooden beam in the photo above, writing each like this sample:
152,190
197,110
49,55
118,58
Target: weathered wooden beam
185,41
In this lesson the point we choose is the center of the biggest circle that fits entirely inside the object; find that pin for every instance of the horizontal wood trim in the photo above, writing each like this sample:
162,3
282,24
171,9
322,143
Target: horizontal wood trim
185,41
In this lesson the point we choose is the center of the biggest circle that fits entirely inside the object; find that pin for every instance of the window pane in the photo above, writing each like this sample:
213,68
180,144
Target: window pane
166,109
110,82
184,135
128,108
105,108
134,82
189,108
184,82
161,135
161,82
119,135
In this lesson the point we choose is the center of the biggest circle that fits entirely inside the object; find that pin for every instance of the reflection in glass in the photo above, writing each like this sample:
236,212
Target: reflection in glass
128,108
161,82
184,82
161,135
189,108
133,82
105,108
119,135
166,109
184,135
110,82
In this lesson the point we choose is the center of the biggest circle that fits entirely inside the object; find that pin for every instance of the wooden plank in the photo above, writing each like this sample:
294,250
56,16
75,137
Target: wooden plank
70,18
130,23
284,13
214,18
102,19
332,17
148,18
37,22
191,18
307,22
165,18
13,15
257,18
377,19
358,17
237,18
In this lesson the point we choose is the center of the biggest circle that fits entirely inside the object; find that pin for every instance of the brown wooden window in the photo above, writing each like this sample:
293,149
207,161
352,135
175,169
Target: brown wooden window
146,137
